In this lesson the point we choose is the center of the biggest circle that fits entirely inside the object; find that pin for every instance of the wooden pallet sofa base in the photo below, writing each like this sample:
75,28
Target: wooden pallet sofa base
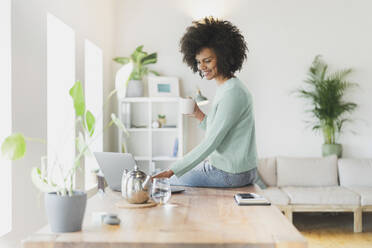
288,211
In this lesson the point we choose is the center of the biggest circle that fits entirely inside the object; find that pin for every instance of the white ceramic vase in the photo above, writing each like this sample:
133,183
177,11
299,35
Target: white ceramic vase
135,88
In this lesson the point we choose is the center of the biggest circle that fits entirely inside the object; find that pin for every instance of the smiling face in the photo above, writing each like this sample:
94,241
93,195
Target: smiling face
206,60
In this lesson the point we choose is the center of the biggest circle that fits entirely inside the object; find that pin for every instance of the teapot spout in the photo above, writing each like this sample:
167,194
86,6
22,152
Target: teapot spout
146,183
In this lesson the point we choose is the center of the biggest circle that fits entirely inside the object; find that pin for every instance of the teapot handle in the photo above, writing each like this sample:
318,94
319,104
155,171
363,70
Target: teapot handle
145,184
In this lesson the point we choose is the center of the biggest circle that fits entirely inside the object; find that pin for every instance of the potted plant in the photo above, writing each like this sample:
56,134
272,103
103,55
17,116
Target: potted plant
325,92
140,59
65,206
162,120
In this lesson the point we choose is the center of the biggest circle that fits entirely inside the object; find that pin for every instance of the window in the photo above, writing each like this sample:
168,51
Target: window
60,110
93,98
6,116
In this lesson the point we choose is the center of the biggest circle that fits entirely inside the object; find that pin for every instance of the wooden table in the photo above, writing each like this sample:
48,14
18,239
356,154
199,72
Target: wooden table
198,217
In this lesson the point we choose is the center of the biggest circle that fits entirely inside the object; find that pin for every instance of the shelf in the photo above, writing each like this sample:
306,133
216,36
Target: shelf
172,129
156,158
141,158
164,99
138,129
149,99
151,146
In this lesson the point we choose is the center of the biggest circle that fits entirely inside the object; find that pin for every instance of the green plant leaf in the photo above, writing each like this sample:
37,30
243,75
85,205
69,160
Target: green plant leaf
41,183
139,48
82,145
119,124
14,146
143,72
149,59
77,94
123,148
90,121
122,60
136,74
154,72
138,55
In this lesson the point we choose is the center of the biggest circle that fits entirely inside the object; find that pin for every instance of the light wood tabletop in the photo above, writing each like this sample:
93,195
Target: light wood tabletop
198,217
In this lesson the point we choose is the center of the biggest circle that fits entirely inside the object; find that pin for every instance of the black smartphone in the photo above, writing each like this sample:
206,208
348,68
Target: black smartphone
246,195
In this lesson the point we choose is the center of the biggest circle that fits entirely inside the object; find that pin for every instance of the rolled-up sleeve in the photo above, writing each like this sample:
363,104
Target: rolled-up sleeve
226,116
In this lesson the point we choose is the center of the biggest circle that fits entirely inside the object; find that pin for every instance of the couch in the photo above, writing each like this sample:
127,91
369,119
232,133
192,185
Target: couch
318,185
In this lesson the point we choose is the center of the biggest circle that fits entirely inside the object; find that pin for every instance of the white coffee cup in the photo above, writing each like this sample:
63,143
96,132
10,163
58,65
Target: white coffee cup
187,106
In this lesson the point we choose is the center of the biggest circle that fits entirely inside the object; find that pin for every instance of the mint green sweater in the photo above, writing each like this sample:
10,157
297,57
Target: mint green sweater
230,140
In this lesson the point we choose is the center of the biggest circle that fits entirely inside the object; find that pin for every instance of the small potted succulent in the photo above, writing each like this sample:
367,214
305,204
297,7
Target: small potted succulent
139,59
65,205
162,120
325,93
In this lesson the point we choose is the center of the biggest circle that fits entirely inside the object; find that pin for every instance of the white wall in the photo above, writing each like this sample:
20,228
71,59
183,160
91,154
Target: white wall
283,38
6,113
91,19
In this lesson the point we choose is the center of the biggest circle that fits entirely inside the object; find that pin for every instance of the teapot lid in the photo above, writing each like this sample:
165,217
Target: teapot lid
137,173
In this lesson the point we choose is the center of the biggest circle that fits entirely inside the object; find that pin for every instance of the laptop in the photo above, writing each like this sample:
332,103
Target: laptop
113,164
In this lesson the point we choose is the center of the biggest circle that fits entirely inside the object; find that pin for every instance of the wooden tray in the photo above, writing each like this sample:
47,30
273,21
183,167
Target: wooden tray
125,204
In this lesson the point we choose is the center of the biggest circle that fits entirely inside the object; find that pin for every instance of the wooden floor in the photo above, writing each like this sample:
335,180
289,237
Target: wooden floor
333,230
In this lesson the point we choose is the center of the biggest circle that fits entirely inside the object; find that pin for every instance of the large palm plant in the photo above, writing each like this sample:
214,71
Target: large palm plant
325,91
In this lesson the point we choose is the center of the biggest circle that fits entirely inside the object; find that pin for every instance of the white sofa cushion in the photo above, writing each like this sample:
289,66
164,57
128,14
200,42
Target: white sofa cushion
332,195
307,171
365,194
355,172
275,196
267,170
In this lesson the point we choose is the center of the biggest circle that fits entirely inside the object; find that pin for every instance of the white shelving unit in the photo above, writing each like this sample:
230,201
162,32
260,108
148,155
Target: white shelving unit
151,147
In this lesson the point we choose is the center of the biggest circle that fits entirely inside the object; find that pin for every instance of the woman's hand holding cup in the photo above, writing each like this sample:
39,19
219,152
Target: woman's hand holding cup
190,108
198,114
187,106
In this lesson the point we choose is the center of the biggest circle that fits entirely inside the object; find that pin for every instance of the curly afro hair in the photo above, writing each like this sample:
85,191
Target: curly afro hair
222,37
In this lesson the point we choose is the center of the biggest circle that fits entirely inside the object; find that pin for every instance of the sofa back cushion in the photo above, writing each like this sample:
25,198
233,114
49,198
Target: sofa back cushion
267,170
307,171
355,172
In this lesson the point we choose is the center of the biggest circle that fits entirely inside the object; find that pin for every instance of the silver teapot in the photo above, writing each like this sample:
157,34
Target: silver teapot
135,186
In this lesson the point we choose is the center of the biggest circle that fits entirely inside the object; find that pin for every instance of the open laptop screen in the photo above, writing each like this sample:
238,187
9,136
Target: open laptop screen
112,165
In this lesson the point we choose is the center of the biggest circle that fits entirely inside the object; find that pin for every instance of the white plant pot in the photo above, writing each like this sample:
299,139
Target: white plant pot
135,88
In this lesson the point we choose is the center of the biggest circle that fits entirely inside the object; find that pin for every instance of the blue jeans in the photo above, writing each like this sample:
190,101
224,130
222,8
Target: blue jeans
206,175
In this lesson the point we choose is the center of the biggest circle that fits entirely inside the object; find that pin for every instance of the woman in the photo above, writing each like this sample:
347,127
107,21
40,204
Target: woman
216,50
